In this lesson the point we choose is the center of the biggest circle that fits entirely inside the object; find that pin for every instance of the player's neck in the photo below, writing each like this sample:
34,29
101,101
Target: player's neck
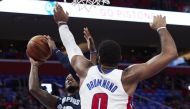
106,69
69,94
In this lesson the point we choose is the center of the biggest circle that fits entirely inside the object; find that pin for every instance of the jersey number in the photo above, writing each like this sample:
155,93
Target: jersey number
100,101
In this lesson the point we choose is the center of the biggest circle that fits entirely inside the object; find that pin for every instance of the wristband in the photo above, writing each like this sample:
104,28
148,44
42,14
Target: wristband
59,23
158,29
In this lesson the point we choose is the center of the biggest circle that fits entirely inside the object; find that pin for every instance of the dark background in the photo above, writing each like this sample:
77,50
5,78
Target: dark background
21,27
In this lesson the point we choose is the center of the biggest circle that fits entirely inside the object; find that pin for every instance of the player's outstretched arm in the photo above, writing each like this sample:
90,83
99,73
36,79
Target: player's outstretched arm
76,58
48,100
63,59
91,45
168,53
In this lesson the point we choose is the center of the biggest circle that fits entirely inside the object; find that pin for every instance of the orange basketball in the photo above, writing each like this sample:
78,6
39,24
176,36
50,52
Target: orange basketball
38,48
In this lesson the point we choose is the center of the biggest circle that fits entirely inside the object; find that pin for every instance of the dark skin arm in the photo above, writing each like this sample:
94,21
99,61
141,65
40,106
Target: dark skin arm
138,72
91,45
48,100
78,62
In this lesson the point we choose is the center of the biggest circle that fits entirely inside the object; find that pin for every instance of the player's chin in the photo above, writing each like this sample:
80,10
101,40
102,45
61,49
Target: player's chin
71,89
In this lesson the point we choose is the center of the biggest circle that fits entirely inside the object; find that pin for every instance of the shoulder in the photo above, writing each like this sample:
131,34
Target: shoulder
131,72
81,65
129,78
130,68
134,68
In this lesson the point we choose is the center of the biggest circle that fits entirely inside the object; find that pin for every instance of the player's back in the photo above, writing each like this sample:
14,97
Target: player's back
103,91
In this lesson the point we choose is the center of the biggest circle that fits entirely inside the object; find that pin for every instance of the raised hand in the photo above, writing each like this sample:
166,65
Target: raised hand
59,15
87,34
51,43
158,21
89,39
91,45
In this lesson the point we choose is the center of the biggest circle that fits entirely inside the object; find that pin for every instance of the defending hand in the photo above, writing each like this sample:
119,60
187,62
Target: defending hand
89,39
60,15
158,21
87,34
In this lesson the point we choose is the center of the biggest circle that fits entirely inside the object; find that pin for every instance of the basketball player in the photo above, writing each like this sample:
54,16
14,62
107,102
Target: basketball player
71,98
104,86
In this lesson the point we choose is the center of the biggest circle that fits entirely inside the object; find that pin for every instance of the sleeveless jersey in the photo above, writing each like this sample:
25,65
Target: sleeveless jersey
69,102
103,91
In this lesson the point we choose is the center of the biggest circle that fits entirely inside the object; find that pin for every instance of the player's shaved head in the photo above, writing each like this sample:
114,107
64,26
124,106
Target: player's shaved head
109,52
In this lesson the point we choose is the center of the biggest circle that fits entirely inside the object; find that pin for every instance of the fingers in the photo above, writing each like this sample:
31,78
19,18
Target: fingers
55,14
86,31
59,14
164,18
58,8
51,43
49,38
154,18
55,8
67,13
159,18
85,28
158,21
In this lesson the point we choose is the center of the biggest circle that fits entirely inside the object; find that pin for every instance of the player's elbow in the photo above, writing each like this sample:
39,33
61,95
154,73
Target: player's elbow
32,90
175,55
172,55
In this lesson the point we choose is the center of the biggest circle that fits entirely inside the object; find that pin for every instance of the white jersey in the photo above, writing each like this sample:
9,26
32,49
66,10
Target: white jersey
103,91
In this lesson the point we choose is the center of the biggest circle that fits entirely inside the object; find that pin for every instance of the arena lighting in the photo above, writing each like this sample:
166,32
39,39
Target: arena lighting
93,12
189,87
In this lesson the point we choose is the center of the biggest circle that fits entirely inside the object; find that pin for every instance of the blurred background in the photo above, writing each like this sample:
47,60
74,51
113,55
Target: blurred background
170,89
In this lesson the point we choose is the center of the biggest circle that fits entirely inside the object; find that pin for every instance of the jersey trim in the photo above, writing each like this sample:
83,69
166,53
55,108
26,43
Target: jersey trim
106,71
129,104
